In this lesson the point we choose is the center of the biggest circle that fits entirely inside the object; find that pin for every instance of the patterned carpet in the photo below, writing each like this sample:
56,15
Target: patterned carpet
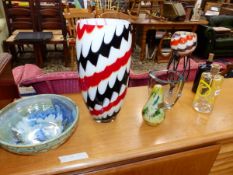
54,62
146,65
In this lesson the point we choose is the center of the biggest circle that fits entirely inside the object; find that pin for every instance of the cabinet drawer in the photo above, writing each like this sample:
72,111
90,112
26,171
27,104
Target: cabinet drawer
224,161
193,162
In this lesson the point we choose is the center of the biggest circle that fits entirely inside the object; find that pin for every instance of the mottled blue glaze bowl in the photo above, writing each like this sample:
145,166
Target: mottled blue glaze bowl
37,123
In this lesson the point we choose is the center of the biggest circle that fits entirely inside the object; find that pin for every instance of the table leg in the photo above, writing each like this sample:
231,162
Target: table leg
38,54
134,32
66,53
143,44
194,28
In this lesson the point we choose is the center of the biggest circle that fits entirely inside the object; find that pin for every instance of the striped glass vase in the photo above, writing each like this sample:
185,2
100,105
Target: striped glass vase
104,56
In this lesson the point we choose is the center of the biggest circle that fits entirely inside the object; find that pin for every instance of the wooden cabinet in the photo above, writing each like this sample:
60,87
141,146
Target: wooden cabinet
8,88
186,143
192,162
223,164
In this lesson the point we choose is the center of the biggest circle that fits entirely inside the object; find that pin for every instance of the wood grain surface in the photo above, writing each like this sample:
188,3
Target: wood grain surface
128,139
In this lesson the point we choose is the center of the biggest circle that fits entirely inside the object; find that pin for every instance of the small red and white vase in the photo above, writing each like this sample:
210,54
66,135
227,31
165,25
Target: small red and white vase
104,56
183,42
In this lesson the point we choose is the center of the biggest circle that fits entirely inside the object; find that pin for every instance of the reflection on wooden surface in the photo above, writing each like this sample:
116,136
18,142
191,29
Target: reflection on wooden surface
129,140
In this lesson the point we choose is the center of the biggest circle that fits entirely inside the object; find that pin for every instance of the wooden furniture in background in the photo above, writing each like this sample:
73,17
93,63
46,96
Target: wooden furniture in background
226,9
36,16
8,89
72,15
36,39
185,143
51,19
19,19
164,52
146,24
209,5
105,5
149,7
114,14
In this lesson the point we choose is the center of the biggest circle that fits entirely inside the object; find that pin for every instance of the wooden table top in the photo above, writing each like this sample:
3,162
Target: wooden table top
147,21
128,137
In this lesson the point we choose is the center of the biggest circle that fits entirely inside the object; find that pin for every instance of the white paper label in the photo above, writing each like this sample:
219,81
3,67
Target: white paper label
72,157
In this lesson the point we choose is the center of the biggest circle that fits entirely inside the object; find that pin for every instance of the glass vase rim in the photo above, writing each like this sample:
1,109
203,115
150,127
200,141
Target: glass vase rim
159,80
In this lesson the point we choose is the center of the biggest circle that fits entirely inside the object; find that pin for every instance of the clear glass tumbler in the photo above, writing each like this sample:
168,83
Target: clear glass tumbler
165,88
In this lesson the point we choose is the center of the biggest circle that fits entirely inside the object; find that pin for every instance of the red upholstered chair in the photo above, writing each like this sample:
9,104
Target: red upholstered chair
54,83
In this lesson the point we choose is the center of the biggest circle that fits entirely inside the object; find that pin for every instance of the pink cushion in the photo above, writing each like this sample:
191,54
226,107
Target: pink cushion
143,78
26,71
140,79
193,64
54,82
17,73
193,68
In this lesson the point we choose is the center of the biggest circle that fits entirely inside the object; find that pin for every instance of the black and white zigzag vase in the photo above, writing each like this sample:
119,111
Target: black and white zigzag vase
104,56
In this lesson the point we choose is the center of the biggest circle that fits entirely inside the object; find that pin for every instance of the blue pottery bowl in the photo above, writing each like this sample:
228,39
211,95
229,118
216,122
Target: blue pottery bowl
37,123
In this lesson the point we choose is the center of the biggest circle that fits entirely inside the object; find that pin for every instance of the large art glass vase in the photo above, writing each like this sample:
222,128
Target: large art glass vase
104,55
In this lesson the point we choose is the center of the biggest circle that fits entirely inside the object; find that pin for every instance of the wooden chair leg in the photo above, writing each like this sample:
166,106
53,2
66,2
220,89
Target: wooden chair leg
10,47
20,48
66,53
72,57
44,51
